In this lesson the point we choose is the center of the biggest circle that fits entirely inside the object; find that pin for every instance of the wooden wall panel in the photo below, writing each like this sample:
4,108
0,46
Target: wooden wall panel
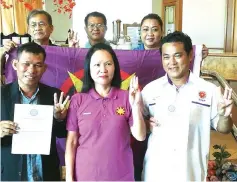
178,12
235,29
229,29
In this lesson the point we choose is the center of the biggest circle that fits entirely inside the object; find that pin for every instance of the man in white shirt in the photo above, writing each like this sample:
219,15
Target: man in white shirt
181,108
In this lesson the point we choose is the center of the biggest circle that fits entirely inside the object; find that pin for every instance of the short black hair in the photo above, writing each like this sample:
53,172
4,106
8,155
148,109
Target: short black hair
31,47
155,17
88,82
38,12
95,14
178,36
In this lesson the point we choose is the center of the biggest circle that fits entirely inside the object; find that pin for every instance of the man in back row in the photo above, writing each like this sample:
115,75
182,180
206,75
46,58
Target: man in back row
40,27
95,27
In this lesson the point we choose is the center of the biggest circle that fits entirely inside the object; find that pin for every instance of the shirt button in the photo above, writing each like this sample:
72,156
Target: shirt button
19,173
104,106
104,115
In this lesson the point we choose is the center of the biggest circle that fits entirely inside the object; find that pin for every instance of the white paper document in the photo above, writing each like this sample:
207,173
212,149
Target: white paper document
35,123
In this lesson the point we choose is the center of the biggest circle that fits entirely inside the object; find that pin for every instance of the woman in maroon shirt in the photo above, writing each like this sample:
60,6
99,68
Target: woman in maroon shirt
100,120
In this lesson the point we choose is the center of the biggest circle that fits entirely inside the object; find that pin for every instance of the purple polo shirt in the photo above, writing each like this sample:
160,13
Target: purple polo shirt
103,124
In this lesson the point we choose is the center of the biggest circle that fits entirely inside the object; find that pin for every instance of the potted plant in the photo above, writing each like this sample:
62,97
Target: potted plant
220,169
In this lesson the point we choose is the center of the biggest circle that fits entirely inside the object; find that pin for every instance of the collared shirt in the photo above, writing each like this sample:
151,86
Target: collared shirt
88,45
140,47
50,43
32,165
180,144
103,124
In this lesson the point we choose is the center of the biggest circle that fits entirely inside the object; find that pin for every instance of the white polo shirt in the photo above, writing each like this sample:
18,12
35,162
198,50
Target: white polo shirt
178,149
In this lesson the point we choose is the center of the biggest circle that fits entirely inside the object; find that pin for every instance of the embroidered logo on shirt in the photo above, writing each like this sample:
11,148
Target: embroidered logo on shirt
202,95
86,113
120,111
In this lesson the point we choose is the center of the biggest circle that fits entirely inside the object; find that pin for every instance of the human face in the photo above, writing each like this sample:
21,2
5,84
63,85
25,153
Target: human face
30,68
176,61
102,68
39,28
151,34
95,29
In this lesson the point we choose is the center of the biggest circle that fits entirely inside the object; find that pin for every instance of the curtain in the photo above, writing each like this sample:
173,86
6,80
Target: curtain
13,20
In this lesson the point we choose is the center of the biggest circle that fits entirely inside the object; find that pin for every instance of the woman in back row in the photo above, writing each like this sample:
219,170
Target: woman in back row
152,32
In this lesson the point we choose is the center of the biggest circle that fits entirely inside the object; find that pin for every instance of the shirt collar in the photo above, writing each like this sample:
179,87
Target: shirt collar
88,45
50,43
113,94
141,47
191,78
33,96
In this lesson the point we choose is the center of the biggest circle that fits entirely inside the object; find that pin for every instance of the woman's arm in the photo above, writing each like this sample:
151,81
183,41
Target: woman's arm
138,129
71,146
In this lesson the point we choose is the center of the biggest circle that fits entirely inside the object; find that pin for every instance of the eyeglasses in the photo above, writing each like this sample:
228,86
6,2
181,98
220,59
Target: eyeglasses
41,24
92,26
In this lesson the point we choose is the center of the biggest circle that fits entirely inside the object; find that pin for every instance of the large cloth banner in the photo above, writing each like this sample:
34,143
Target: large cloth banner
65,70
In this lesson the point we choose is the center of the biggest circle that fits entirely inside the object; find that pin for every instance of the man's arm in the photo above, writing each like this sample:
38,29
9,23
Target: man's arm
8,46
60,114
3,62
225,124
225,106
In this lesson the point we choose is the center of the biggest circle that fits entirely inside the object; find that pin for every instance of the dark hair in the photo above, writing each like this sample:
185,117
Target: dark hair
31,47
95,14
88,82
178,36
39,12
155,17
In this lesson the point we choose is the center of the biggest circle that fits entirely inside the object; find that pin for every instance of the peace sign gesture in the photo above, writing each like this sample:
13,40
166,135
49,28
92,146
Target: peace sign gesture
134,92
72,39
60,107
225,104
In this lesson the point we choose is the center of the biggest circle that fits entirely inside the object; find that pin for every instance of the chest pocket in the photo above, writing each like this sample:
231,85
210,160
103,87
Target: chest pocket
88,121
198,112
151,107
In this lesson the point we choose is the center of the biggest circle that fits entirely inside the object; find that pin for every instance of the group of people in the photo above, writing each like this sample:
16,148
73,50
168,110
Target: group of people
40,27
176,110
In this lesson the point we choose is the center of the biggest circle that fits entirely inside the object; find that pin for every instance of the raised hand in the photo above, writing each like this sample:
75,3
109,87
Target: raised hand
60,107
225,104
72,39
134,92
9,45
204,51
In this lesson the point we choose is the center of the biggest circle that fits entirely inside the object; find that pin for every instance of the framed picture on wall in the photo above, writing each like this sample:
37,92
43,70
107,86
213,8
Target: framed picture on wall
133,31
130,28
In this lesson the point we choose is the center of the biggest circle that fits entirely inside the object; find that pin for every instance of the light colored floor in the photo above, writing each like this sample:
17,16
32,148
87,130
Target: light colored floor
222,139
